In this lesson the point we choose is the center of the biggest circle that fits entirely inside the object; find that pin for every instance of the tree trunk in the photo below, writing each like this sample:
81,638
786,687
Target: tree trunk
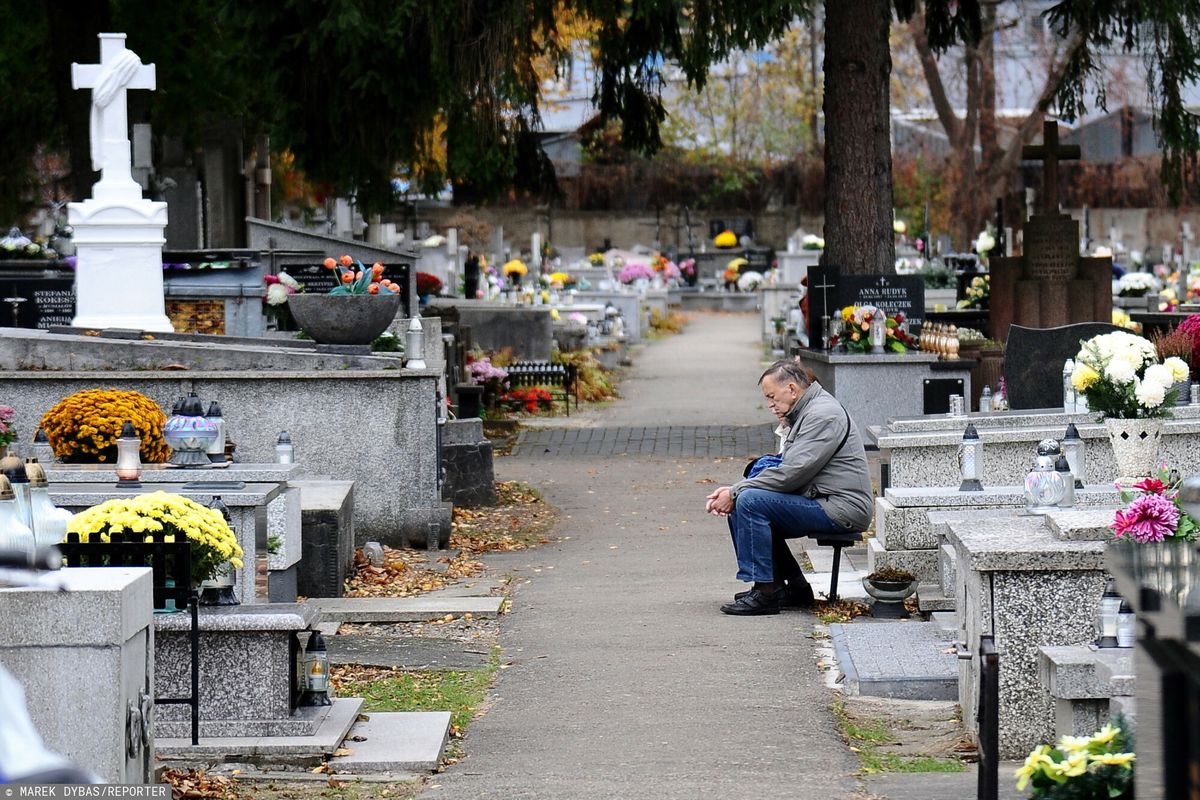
858,157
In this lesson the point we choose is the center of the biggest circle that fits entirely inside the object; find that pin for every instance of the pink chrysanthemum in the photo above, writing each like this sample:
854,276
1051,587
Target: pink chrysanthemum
1150,518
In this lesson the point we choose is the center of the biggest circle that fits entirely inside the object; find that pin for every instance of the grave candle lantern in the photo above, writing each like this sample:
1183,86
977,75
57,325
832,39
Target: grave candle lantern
878,331
42,450
970,461
1107,615
129,458
414,345
285,453
316,672
1074,448
1044,486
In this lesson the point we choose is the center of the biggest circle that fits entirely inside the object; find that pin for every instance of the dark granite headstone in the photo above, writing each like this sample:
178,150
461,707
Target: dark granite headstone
1034,358
49,301
829,291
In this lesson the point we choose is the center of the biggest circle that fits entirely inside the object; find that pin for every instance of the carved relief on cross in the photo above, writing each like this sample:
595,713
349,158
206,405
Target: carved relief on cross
1050,152
118,71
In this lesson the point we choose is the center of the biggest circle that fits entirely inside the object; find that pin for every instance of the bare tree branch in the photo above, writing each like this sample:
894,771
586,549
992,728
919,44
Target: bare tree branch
937,89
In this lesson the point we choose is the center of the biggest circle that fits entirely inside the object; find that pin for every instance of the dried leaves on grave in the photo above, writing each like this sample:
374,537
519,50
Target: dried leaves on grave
194,783
405,573
521,519
839,610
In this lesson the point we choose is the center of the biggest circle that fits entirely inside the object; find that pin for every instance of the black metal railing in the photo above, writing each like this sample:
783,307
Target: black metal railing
543,373
989,720
171,564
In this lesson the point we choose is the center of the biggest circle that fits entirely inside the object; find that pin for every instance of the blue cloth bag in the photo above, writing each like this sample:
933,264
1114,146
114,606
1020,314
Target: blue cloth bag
762,462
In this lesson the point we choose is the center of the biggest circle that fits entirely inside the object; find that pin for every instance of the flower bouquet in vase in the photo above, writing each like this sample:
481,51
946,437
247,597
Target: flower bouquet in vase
357,309
1120,375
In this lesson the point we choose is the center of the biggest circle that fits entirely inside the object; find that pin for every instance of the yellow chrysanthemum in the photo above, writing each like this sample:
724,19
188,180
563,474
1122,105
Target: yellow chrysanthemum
1114,759
1084,377
213,541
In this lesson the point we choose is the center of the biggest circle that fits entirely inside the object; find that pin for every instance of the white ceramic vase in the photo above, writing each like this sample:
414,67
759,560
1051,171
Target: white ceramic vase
1135,445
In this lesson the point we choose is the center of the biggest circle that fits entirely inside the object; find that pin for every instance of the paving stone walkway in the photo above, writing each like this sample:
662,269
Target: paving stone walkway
681,441
622,679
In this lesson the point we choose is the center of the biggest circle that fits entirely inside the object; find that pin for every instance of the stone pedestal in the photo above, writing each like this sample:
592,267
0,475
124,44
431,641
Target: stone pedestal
118,278
1016,581
85,657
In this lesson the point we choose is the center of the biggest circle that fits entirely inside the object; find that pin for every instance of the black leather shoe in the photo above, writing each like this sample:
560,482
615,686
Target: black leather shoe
753,603
795,594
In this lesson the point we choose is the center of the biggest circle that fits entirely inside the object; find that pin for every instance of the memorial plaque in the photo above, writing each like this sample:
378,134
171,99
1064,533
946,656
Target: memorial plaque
829,291
49,302
316,279
1051,248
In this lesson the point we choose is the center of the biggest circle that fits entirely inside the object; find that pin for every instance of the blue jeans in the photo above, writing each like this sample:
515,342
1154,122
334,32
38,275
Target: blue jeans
756,513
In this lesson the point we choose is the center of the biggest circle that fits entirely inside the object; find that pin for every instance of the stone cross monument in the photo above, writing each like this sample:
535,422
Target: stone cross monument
1049,285
118,234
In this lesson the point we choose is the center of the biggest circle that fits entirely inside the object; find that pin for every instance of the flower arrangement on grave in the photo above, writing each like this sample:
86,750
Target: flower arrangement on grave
635,271
1097,766
17,245
560,280
492,378
1191,328
1177,343
1137,284
596,259
749,281
276,291
687,267
1121,319
856,330
812,242
7,434
529,398
978,292
1168,300
515,267
1153,512
427,284
725,240
84,427
213,541
1120,375
361,280
984,243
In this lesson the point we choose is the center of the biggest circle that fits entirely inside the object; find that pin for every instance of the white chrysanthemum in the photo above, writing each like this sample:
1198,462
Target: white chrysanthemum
1119,371
1150,394
288,281
1179,368
277,294
1160,374
749,281
984,243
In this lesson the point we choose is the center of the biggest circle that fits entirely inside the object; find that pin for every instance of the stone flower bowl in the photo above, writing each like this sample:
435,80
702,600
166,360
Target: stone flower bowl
344,318
889,591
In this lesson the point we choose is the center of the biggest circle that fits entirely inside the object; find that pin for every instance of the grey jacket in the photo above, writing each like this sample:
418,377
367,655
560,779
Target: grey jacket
814,467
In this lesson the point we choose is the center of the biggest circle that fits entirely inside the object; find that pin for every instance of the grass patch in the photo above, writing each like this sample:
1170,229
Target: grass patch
461,693
869,740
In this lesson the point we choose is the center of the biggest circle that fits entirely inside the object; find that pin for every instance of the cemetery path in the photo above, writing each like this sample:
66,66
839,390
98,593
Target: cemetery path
622,679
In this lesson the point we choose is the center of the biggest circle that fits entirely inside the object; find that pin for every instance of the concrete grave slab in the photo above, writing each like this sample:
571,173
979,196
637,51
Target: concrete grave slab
395,741
403,609
897,659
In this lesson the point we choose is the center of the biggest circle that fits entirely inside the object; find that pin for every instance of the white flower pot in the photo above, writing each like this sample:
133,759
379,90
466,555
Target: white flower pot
1135,445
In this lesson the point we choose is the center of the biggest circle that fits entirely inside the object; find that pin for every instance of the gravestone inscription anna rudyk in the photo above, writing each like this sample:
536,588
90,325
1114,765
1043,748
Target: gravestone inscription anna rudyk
830,291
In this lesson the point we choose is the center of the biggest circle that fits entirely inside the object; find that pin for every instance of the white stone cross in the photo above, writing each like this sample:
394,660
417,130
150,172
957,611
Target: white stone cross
1185,236
119,70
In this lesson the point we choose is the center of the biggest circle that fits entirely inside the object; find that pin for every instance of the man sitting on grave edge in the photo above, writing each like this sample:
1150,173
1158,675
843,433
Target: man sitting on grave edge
818,484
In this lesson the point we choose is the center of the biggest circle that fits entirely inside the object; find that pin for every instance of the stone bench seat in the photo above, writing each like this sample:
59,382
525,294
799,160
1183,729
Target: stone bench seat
1082,680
